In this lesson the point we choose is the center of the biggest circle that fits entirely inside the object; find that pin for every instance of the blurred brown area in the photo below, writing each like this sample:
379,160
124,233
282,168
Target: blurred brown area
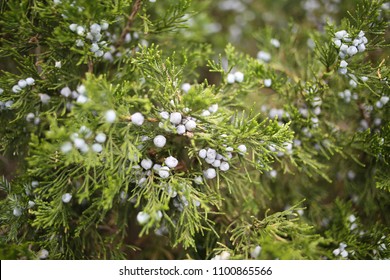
8,167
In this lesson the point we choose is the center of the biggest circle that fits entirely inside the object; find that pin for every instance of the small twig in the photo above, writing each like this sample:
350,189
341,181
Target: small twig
90,66
37,52
134,11
379,69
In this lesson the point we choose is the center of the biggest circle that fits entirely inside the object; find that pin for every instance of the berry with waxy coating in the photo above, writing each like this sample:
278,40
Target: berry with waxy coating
164,172
171,162
101,137
198,180
143,218
43,254
83,99
164,115
97,148
66,91
30,81
186,87
17,212
256,252
73,27
159,141
216,163
224,166
213,108
147,163
190,125
30,117
211,153
210,173
16,89
22,83
239,77
230,78
66,147
110,115
66,197
137,119
181,129
175,118
202,153
242,148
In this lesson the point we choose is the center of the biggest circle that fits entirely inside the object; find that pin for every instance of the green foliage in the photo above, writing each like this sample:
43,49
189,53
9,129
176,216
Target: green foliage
281,236
267,119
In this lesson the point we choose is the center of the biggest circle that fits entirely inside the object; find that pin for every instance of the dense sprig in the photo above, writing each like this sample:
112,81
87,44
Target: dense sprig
129,130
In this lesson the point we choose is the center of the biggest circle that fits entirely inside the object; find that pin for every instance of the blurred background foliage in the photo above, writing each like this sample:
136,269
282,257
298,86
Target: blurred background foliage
342,197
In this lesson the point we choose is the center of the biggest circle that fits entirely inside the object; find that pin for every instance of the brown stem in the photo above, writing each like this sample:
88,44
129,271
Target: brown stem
90,66
37,52
134,11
